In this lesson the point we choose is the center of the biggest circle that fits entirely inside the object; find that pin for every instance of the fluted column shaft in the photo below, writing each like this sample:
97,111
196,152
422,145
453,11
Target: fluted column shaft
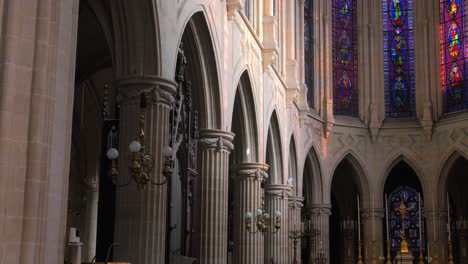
277,245
320,220
294,216
215,149
372,219
248,248
141,214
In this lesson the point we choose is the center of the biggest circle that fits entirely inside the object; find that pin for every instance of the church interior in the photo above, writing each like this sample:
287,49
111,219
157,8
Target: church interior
233,131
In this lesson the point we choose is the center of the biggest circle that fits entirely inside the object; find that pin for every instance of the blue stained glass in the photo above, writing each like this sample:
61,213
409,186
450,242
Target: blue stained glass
308,51
345,64
399,58
453,55
409,197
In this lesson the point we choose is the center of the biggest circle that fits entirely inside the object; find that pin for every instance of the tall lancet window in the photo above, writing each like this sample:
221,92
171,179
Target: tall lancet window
398,58
345,86
308,51
247,8
452,55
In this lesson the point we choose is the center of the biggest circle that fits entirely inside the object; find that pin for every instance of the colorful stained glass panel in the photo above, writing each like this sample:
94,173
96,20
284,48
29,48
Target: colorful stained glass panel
398,58
345,86
308,51
453,55
408,197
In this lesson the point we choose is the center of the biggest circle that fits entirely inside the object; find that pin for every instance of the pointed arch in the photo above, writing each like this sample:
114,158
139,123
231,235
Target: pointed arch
274,153
311,178
444,174
292,166
244,123
392,162
360,174
203,71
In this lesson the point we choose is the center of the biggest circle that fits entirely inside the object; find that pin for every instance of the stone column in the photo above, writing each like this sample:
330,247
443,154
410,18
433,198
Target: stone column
90,224
215,148
277,245
141,214
295,223
320,220
248,248
270,34
372,220
292,82
36,111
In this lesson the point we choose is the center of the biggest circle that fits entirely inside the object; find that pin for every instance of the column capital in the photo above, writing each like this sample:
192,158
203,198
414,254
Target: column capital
257,171
218,139
319,209
372,213
157,88
278,190
296,202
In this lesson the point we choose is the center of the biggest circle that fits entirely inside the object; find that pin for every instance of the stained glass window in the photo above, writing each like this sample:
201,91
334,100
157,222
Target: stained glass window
452,53
308,51
409,198
345,64
247,8
398,58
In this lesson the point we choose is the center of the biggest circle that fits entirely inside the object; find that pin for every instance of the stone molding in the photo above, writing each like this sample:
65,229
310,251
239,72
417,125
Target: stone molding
319,209
278,190
296,202
256,171
158,89
234,6
435,213
372,213
218,139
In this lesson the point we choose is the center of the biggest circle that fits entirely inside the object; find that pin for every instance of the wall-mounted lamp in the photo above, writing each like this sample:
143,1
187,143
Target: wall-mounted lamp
141,162
263,220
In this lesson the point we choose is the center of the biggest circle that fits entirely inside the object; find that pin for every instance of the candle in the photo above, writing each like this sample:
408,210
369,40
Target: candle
386,217
359,219
420,221
373,223
448,217
434,217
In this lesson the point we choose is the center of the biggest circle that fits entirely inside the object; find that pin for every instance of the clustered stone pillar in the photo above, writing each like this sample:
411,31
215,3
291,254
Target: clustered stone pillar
141,214
320,220
277,244
295,223
216,146
248,248
372,219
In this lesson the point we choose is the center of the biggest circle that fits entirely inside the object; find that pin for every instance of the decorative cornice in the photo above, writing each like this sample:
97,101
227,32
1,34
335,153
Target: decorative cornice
159,89
218,139
256,171
278,190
